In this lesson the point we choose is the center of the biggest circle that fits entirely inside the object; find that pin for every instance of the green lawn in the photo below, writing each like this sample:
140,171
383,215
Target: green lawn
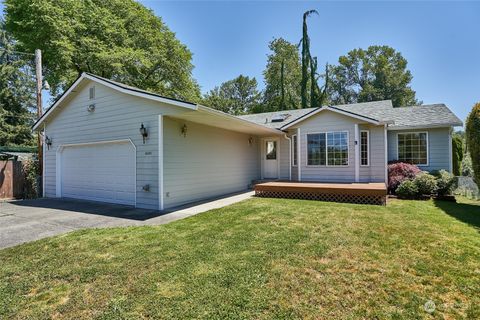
261,258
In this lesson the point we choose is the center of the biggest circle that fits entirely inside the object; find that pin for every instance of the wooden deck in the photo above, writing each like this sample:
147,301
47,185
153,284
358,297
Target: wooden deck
367,193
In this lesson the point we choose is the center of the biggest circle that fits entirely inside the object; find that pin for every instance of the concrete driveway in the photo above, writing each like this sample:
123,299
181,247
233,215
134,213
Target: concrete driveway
27,220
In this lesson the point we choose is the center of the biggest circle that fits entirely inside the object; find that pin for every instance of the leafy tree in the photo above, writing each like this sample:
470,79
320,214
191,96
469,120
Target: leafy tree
117,39
457,153
282,76
378,73
237,96
472,134
16,94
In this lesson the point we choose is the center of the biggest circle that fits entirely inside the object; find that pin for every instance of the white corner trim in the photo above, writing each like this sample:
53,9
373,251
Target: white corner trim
160,163
357,153
450,150
289,156
299,154
385,137
44,155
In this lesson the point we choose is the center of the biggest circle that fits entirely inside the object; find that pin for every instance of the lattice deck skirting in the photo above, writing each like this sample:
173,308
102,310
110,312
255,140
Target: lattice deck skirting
358,193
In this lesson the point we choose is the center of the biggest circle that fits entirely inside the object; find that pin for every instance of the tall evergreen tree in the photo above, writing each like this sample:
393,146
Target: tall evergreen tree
117,39
306,58
472,134
17,90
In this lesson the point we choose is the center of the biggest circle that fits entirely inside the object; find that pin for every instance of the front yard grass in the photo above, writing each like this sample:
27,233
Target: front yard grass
261,258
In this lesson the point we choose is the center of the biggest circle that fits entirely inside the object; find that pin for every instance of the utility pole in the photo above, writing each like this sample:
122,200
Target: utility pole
38,74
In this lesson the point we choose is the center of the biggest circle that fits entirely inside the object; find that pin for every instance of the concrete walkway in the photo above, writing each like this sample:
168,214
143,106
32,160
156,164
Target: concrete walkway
28,220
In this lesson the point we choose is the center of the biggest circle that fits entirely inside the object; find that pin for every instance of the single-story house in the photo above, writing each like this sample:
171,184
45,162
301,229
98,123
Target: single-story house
106,141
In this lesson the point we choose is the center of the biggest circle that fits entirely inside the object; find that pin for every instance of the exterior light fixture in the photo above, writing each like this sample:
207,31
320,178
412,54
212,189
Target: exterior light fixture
143,132
250,141
184,130
48,142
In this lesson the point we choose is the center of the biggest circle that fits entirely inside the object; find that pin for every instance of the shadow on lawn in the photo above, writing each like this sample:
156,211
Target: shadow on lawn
468,213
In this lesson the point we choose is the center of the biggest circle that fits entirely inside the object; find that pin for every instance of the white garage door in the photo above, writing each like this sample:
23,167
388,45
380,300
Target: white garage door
99,172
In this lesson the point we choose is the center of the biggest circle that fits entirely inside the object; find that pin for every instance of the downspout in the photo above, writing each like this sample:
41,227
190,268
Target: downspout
289,157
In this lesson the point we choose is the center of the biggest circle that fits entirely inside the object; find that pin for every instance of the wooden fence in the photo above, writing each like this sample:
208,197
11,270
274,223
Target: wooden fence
11,179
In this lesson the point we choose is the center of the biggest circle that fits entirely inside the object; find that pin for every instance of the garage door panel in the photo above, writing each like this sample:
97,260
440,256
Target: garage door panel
99,172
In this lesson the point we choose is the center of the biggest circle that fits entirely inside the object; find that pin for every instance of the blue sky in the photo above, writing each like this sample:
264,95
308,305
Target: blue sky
440,40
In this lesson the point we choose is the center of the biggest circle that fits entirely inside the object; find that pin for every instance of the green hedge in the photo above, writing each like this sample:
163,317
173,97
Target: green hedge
473,140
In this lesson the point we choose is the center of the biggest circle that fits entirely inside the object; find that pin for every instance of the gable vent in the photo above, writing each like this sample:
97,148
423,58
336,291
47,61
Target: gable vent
92,93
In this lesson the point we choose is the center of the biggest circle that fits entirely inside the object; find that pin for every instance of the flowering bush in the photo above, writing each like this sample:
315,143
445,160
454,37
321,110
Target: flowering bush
399,172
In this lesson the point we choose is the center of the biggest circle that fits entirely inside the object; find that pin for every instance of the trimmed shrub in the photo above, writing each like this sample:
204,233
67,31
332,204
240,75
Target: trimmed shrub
457,154
446,182
399,172
426,184
467,170
407,190
472,133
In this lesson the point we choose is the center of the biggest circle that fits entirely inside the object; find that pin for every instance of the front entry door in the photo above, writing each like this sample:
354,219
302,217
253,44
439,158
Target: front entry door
270,160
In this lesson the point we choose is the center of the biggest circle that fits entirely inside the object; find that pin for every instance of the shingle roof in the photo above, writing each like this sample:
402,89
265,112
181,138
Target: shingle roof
433,115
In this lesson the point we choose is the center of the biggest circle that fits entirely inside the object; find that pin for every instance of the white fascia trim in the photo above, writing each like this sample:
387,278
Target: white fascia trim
160,163
140,94
117,88
385,137
333,110
433,126
240,120
357,153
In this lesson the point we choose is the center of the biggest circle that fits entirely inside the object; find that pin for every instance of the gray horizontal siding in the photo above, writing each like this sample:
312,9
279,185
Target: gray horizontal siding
117,116
438,148
208,162
375,172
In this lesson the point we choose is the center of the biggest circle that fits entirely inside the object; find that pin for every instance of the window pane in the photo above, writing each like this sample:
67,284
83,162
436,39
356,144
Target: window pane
412,148
271,150
364,148
316,149
337,150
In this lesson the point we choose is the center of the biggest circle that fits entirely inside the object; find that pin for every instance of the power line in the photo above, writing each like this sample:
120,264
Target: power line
18,52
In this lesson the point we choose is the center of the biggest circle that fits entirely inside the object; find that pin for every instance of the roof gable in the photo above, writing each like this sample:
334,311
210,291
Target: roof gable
113,85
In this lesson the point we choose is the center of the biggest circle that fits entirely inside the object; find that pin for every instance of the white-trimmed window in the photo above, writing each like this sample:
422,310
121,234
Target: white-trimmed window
294,150
327,148
364,148
413,147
